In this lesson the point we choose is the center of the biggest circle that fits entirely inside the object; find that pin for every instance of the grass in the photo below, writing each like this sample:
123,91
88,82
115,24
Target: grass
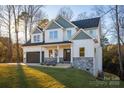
12,76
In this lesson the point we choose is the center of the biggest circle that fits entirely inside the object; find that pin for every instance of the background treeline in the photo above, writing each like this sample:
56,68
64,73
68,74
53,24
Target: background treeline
4,48
110,59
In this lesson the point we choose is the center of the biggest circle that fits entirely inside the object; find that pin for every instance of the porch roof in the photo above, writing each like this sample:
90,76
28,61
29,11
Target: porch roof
43,43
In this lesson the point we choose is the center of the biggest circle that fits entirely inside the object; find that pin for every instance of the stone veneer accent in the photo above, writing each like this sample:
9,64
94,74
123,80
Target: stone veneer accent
61,59
83,63
49,59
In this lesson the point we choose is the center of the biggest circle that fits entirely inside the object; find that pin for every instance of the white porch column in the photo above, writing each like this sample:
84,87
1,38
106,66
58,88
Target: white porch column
58,54
71,53
24,57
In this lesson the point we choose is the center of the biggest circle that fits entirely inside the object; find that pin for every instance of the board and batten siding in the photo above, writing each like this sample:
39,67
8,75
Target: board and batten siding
88,44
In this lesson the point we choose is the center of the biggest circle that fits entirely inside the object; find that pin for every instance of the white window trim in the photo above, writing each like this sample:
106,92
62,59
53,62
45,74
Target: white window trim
36,38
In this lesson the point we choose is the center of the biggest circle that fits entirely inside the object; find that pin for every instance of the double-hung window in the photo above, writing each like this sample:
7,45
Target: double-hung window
68,34
36,38
82,52
53,35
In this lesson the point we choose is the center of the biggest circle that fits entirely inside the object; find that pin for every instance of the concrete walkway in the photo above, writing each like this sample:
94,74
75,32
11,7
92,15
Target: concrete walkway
60,65
57,66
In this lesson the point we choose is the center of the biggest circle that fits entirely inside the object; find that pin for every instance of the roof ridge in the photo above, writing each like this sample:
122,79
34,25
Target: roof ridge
86,19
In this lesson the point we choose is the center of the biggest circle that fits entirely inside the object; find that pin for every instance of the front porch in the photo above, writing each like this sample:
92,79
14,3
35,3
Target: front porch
60,53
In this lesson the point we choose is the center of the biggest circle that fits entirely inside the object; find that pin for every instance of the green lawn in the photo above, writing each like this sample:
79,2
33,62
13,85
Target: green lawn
28,77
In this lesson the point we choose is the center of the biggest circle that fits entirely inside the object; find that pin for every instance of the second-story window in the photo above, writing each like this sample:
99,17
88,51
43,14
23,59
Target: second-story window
53,35
36,38
68,34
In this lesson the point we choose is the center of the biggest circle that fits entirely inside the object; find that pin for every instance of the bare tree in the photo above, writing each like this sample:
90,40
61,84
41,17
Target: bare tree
66,12
6,19
119,45
82,16
16,13
31,14
43,23
103,12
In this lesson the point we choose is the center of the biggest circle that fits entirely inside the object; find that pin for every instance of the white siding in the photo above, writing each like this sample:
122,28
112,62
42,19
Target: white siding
31,48
88,44
98,60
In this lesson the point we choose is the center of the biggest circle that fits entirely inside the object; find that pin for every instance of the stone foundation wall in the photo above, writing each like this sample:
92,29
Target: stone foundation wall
83,63
49,60
61,59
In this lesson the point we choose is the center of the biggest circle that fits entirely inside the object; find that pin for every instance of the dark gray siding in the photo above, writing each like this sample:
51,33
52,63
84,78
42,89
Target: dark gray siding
82,35
53,26
36,31
64,23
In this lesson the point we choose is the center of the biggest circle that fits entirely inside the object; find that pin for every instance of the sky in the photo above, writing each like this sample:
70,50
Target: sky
52,10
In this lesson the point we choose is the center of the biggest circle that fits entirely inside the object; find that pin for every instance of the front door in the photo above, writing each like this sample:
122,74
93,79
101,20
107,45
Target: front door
67,54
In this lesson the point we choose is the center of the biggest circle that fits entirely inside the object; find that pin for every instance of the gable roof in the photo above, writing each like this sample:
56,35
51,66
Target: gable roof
37,30
87,23
53,25
81,34
64,22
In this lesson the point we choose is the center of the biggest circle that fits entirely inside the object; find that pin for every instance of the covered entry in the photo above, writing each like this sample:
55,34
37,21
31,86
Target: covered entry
33,57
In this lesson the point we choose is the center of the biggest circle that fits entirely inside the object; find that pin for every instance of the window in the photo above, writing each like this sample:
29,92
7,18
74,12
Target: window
82,52
36,38
53,35
68,34
50,53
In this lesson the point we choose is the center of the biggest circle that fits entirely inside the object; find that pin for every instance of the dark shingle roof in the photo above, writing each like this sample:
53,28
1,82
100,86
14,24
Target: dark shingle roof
87,23
42,43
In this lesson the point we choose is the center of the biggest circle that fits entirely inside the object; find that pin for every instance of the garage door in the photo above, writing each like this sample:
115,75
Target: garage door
33,57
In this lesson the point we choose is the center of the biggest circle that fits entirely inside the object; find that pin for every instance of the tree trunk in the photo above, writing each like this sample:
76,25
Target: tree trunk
119,45
30,27
25,30
10,41
16,31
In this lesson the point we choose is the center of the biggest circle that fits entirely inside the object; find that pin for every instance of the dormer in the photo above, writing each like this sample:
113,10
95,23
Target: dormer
37,35
59,29
91,26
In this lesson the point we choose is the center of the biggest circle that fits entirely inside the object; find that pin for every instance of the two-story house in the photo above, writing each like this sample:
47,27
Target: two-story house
76,43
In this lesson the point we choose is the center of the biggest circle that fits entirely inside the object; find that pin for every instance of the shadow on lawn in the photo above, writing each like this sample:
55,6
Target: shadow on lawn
33,78
21,76
67,77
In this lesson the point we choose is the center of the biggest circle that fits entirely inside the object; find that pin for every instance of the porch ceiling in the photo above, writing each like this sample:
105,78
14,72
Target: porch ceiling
60,46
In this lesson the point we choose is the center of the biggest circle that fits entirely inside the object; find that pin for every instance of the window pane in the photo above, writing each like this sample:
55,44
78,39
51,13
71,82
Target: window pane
35,38
82,52
51,35
38,38
55,34
69,34
50,53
